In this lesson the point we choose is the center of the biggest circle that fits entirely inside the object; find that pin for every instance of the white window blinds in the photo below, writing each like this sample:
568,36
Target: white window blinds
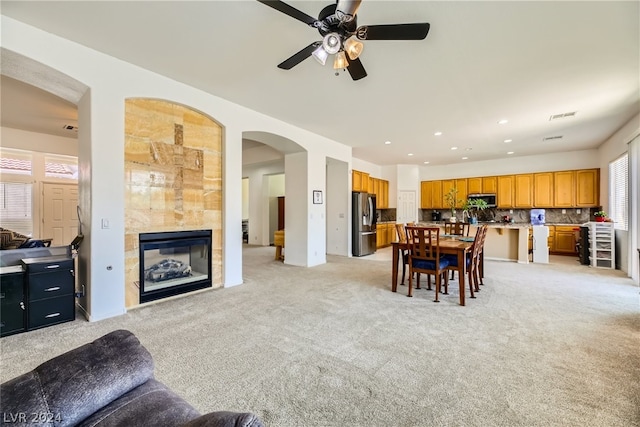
619,192
15,207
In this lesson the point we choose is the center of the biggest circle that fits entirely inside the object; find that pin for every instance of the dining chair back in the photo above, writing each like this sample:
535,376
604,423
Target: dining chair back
424,257
402,239
457,228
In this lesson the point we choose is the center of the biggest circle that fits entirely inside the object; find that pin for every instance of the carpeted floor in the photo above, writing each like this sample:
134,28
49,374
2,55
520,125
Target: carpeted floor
542,345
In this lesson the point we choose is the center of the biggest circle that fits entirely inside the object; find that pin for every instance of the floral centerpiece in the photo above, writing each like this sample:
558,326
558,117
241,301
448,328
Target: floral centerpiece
451,198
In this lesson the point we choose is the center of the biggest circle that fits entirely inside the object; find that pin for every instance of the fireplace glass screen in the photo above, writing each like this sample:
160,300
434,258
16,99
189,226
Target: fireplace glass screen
173,263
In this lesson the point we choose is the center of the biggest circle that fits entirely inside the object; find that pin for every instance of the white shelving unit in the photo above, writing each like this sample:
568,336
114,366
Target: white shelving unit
602,246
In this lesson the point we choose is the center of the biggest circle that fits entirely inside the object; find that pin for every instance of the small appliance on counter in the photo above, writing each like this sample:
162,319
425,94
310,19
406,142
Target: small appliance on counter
537,217
436,216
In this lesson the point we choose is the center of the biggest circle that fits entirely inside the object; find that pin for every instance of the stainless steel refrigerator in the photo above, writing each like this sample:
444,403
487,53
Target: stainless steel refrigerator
363,223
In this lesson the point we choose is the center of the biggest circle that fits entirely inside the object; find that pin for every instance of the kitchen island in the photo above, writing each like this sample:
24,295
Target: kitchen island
504,241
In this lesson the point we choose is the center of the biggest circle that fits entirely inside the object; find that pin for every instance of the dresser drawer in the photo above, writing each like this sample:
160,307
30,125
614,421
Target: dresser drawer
50,311
50,285
48,264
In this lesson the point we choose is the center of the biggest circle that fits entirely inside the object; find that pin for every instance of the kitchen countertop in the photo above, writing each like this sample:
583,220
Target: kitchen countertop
515,225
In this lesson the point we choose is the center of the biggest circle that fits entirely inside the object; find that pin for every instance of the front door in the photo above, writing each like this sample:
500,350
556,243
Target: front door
59,213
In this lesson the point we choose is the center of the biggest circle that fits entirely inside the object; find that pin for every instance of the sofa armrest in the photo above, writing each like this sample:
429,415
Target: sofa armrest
76,384
225,419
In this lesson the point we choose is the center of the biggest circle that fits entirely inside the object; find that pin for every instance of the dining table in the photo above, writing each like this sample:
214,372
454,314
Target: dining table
453,245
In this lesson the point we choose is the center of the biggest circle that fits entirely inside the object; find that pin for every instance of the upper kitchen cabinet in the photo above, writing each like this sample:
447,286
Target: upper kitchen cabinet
359,181
505,194
474,185
563,189
543,190
430,194
523,194
382,198
461,186
588,187
489,185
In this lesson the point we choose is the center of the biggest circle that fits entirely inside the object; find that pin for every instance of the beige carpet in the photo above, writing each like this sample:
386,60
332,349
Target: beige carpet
542,345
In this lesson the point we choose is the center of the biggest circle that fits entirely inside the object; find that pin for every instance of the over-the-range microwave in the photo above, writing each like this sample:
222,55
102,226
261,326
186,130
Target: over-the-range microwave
489,198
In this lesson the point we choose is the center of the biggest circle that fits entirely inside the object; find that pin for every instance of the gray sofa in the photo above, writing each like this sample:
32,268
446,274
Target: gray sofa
108,382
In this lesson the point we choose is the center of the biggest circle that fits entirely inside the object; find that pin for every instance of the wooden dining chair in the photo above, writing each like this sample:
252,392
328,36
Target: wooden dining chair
479,267
457,228
402,238
424,257
472,262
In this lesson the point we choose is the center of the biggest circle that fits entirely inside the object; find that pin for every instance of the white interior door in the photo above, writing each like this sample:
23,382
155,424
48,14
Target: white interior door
406,210
59,214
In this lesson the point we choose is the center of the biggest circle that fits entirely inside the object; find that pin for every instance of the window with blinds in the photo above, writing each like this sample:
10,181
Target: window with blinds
619,192
15,207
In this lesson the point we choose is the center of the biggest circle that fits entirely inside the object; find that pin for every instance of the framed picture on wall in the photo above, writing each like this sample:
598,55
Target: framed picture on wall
317,197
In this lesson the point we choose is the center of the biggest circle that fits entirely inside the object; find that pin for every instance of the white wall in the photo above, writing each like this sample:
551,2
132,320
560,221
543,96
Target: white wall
245,198
101,149
613,148
39,142
338,209
259,192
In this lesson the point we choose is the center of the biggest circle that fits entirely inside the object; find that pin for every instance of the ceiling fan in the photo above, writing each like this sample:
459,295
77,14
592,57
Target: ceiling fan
337,24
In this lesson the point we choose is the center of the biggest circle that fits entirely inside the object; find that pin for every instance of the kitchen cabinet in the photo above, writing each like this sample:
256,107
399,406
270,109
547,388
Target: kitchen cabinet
384,193
461,186
431,195
385,234
359,181
563,189
543,190
474,185
523,194
489,185
504,195
565,240
587,188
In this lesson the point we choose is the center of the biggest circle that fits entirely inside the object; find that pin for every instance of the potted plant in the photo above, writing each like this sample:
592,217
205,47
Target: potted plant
472,208
600,216
451,199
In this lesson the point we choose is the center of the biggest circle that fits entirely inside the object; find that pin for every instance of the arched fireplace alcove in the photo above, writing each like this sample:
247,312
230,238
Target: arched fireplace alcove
173,184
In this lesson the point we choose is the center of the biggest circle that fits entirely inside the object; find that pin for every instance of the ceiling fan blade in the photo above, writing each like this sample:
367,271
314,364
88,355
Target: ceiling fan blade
416,31
355,68
289,10
297,58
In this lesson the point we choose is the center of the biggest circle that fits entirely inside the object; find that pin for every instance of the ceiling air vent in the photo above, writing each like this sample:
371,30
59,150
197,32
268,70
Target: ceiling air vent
70,127
562,116
551,138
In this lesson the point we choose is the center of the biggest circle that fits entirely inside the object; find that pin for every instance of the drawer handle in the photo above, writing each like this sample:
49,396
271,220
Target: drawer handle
52,315
53,266
55,288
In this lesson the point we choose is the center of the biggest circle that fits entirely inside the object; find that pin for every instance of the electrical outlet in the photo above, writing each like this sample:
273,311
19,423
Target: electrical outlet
564,211
578,211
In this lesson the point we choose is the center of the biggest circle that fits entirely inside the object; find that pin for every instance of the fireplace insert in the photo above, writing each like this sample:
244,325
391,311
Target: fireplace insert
173,263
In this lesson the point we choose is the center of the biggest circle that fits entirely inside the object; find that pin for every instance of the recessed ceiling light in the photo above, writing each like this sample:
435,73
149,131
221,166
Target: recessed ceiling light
438,133
506,141
387,142
503,121
454,148
426,163
509,152
410,154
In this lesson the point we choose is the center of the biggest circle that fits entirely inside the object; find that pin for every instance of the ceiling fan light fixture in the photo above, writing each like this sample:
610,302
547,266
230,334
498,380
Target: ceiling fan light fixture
353,48
320,55
331,43
340,61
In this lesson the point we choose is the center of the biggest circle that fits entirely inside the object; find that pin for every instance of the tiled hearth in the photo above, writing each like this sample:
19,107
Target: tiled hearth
173,179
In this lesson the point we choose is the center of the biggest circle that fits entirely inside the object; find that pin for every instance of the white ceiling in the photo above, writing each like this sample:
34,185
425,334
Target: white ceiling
481,62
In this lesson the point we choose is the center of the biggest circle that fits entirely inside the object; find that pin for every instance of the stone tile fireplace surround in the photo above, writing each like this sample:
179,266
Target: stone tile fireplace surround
173,180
